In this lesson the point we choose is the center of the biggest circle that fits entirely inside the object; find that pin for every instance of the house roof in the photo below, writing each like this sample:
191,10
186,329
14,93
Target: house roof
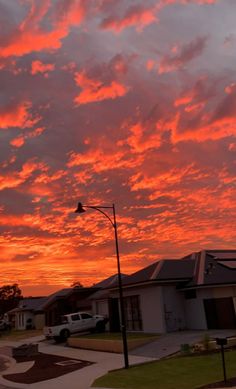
104,287
204,268
176,269
59,294
29,304
108,282
214,267
142,275
223,254
66,292
166,270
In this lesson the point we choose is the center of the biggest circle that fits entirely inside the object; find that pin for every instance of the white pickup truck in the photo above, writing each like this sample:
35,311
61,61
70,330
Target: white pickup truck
73,323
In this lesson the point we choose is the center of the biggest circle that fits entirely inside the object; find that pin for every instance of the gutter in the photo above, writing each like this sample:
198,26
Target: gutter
156,283
204,286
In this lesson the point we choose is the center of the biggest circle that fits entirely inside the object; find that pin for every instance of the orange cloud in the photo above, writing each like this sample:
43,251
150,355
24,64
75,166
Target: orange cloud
19,141
218,129
17,115
206,117
183,100
141,139
38,131
94,90
150,64
136,16
14,179
46,178
201,2
164,180
139,17
99,160
186,54
187,100
30,37
230,88
39,67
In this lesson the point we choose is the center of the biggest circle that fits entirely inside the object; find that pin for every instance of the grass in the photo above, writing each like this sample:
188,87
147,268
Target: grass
118,336
19,335
174,373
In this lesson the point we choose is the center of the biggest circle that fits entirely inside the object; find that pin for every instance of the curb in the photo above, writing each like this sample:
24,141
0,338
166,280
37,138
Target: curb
10,362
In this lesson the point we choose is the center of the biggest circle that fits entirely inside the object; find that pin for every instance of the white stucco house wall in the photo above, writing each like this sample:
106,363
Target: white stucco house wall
28,314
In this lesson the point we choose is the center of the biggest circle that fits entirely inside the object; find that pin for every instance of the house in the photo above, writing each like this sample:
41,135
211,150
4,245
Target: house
197,291
194,292
103,304
28,314
210,297
36,312
65,301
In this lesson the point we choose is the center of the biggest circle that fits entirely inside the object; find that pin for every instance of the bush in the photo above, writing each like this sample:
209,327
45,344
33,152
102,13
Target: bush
206,342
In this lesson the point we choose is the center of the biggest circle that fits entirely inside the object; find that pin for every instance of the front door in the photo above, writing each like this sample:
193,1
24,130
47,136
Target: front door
114,316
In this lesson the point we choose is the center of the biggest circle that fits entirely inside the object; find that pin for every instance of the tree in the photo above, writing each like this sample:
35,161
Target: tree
10,292
77,284
10,296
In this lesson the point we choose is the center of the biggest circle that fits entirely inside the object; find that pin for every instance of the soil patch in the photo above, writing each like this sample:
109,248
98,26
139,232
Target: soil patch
46,367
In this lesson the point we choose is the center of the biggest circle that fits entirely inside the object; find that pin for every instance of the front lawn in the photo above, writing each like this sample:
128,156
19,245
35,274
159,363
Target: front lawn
19,335
110,342
174,373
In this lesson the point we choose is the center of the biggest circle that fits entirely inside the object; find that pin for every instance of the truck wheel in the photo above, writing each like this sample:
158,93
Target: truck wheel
100,326
64,334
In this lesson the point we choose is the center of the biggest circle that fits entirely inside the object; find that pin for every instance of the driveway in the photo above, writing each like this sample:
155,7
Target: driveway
170,343
97,364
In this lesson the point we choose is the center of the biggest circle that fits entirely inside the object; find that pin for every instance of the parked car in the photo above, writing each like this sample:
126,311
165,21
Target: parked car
73,323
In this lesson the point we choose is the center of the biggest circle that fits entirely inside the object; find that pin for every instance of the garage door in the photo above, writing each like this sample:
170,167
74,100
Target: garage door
220,313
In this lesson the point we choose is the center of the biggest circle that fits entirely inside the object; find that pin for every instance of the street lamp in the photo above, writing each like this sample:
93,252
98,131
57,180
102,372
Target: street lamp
80,209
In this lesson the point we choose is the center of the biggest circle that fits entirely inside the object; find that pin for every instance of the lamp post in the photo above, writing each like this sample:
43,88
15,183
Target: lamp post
80,209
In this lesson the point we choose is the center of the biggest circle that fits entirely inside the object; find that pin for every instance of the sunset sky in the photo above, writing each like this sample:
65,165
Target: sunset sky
129,102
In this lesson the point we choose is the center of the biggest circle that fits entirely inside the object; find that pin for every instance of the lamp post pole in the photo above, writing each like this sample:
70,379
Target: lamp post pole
80,209
122,309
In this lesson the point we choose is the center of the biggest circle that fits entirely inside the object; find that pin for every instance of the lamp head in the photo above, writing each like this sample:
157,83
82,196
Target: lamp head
80,208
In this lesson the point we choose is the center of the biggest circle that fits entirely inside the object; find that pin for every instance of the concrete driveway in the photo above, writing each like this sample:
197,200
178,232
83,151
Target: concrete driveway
170,343
77,379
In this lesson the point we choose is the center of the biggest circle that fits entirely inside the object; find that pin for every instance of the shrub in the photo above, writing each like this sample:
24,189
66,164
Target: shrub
206,342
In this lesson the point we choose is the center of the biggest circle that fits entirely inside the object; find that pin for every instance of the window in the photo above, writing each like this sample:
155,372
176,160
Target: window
132,313
21,320
75,317
86,316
